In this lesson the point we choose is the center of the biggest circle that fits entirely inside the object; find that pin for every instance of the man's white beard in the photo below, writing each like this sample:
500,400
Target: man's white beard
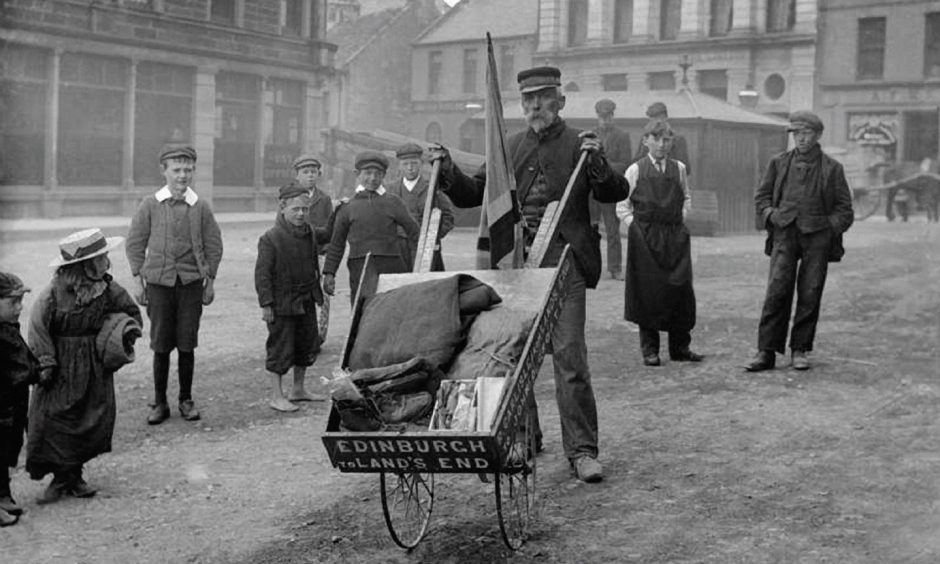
541,120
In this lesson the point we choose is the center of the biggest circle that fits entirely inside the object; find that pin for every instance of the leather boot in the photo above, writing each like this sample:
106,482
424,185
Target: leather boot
764,360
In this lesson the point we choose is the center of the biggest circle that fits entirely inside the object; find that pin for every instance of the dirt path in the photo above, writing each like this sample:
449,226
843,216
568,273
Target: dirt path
705,463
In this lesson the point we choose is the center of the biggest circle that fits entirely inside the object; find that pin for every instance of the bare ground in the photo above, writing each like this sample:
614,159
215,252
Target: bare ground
705,463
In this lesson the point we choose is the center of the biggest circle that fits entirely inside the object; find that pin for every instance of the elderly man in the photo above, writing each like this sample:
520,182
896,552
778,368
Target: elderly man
680,148
369,222
616,143
805,204
412,188
544,157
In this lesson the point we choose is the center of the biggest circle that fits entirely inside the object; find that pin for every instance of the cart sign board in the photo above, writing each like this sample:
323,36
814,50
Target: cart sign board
391,452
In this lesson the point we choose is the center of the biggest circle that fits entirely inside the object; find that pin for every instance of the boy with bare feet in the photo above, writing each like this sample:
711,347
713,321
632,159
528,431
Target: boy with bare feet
287,280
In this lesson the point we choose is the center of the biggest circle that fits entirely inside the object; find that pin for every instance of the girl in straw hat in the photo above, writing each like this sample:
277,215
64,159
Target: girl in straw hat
71,418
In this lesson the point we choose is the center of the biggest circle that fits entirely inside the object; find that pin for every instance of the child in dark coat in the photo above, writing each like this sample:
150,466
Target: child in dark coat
287,280
18,369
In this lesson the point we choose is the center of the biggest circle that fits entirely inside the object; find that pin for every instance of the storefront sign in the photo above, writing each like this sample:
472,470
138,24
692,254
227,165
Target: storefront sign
873,129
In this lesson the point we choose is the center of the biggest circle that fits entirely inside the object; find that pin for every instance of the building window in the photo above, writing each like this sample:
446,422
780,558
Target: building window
781,15
871,48
433,133
932,45
670,18
222,11
507,63
435,67
614,82
23,114
714,83
469,71
292,15
774,86
284,114
662,80
921,135
623,21
236,127
577,22
91,119
720,18
162,114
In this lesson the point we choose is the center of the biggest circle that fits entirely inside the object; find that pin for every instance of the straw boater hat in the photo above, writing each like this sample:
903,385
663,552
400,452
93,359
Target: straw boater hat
84,245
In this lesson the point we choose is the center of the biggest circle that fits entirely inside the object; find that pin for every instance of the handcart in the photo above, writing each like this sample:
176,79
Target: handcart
407,462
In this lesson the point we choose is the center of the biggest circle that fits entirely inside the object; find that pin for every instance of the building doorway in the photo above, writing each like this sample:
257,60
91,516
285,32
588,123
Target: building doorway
921,135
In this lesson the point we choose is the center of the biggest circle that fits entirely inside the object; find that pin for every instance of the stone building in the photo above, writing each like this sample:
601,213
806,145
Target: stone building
879,77
758,53
448,62
90,91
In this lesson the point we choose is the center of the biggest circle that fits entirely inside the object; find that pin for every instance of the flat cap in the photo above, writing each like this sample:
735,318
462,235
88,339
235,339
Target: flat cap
11,286
656,109
605,107
802,119
306,160
177,151
291,190
371,159
538,78
409,151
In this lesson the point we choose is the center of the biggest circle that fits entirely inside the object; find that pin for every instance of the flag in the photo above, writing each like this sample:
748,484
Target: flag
500,212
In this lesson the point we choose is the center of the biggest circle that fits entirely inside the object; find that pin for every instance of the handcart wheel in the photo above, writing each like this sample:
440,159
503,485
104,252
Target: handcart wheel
407,500
515,489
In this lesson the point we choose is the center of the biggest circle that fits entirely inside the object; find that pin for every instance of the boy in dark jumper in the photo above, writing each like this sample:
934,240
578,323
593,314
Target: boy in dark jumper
18,369
369,222
287,279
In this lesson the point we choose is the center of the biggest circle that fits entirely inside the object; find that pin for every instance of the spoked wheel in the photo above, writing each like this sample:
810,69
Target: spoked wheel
515,491
865,202
407,500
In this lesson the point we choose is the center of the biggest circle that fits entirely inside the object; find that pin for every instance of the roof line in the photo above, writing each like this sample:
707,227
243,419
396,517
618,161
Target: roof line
453,10
377,33
688,94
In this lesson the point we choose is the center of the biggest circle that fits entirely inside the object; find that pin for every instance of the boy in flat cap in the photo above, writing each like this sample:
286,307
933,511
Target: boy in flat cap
287,280
544,157
805,204
618,149
174,247
658,293
412,188
680,147
369,222
307,170
19,368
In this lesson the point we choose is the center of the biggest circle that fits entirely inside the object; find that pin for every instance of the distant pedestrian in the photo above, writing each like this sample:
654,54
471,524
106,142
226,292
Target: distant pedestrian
658,291
657,111
805,204
174,248
412,188
19,368
71,417
369,223
618,150
287,280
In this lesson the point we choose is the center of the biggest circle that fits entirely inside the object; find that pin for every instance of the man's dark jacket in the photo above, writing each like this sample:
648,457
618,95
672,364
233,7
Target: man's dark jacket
617,148
837,198
557,150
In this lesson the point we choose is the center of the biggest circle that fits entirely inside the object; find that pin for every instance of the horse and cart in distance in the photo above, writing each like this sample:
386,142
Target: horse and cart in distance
500,448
